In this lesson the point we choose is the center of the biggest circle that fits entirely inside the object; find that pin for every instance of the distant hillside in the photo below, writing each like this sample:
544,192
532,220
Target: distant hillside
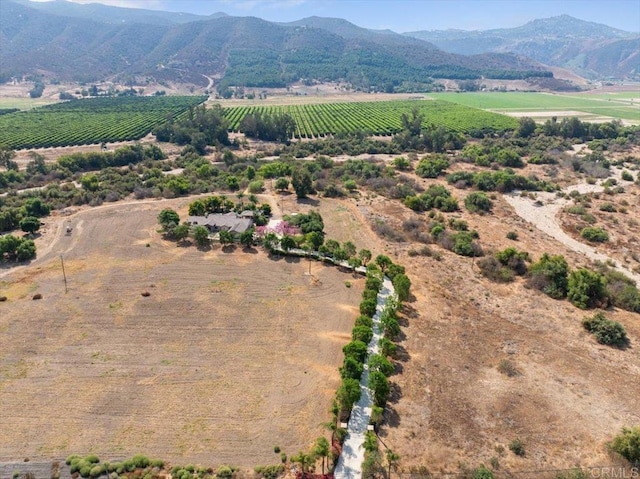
114,15
65,40
588,49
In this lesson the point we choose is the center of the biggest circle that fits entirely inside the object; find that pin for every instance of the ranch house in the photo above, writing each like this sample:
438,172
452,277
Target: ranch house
232,222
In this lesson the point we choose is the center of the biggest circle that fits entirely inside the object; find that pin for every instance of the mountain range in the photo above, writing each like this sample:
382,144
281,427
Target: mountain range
68,41
589,49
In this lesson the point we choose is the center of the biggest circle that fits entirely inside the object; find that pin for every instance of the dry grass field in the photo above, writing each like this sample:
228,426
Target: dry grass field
231,354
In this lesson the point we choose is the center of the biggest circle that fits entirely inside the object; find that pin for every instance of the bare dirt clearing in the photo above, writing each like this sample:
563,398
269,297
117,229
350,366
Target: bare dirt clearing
231,353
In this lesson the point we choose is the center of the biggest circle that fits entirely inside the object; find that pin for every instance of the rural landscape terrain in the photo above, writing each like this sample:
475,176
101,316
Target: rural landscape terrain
208,265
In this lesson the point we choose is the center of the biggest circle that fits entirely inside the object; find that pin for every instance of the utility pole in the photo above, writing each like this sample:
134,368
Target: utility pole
64,275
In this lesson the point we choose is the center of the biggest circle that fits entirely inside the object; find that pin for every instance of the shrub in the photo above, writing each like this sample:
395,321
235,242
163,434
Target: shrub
478,202
379,383
492,269
368,307
627,444
508,368
608,207
432,166
362,333
586,289
512,235
463,244
594,234
575,473
549,275
256,186
402,286
356,349
482,473
224,471
517,447
388,348
363,320
626,176
606,331
382,364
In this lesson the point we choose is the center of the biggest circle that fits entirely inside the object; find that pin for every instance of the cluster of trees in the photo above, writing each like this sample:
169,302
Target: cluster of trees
91,466
583,287
414,136
268,127
13,248
502,180
27,216
200,127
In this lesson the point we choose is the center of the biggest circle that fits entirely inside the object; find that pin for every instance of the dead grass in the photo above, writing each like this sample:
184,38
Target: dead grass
228,355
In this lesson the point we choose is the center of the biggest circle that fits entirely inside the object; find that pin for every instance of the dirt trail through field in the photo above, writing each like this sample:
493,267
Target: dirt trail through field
542,211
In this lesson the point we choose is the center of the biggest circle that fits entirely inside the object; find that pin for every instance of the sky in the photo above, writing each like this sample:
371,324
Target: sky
409,15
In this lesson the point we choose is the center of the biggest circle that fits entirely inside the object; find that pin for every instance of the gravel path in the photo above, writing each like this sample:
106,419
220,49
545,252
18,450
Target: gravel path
545,218
350,462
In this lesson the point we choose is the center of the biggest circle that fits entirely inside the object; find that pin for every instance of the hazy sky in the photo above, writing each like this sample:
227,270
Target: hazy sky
409,15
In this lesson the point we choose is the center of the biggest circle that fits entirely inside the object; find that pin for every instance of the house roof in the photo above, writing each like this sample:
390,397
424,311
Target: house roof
228,221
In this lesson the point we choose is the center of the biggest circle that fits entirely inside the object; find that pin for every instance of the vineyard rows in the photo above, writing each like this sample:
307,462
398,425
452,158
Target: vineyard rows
379,118
95,120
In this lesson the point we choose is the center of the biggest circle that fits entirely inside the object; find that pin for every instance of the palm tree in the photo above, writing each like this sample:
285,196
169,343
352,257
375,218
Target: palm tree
322,450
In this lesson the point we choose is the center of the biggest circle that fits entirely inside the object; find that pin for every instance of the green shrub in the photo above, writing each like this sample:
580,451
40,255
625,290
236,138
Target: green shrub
512,235
363,320
356,349
482,473
224,471
626,176
550,275
608,207
586,289
463,244
517,447
92,459
351,368
478,202
97,470
380,363
576,473
362,333
606,331
432,166
388,348
368,307
85,471
140,461
594,234
627,444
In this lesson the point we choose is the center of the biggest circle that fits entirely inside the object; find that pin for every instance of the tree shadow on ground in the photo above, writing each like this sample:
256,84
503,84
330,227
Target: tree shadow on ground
395,393
309,201
228,248
402,354
250,250
391,418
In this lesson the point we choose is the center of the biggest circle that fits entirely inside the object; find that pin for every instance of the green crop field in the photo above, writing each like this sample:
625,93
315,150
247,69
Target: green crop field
613,106
379,118
95,120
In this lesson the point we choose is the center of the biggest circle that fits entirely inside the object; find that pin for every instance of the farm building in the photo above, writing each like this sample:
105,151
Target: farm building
232,222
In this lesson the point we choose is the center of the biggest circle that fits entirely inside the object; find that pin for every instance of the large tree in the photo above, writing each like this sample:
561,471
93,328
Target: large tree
302,182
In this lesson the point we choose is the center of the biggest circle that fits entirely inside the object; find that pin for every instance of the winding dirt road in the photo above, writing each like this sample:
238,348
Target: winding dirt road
545,217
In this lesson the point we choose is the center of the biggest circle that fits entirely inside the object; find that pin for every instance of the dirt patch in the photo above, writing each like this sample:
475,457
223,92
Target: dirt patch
228,355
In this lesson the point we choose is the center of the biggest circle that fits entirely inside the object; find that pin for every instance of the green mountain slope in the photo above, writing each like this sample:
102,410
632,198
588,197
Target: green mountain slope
241,50
587,48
